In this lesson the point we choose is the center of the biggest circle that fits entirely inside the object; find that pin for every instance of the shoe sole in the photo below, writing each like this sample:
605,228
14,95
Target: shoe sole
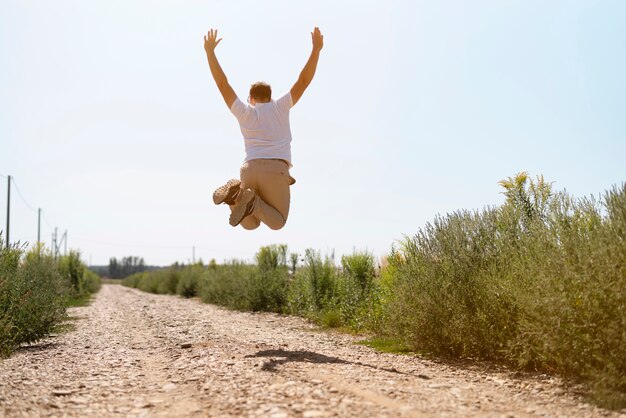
222,192
239,211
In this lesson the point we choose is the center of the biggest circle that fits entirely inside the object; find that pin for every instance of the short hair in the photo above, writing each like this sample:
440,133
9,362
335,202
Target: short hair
261,91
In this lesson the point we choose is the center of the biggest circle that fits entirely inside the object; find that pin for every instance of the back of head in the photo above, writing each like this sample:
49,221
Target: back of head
261,92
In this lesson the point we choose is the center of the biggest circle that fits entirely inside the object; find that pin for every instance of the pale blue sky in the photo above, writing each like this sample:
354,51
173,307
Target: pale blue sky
110,121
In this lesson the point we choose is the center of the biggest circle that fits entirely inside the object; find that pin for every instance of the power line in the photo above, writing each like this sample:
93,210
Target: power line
49,224
46,221
22,197
131,244
165,247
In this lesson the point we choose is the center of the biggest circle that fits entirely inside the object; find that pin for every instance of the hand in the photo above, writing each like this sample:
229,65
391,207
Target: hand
318,39
210,41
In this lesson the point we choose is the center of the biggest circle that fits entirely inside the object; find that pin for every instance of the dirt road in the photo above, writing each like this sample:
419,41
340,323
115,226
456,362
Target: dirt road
137,354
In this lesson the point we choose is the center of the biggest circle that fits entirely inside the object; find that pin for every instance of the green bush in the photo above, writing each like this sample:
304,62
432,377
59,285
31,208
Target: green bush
72,270
354,289
163,281
359,268
267,289
331,318
573,317
91,282
322,276
133,280
227,285
188,283
376,314
449,296
300,296
169,281
538,283
80,280
313,287
32,296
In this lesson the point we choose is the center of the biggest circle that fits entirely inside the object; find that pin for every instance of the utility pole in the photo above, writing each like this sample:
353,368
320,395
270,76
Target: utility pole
39,226
65,241
8,209
55,247
193,255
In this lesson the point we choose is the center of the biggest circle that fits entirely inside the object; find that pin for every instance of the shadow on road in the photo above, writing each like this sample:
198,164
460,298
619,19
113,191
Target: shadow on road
37,347
284,356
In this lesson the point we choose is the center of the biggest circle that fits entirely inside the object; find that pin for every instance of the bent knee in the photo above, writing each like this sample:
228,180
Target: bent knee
277,225
250,224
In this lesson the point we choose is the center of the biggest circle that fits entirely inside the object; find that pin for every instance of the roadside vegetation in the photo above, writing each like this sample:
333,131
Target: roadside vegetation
35,290
538,283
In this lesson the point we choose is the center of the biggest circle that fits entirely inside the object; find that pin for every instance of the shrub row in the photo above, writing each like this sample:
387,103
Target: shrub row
538,283
35,289
317,290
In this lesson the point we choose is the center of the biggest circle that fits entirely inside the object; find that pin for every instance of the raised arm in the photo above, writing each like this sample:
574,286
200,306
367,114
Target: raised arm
210,42
306,76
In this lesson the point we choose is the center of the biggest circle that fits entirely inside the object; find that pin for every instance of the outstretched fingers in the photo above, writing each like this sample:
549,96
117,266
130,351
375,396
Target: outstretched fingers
317,38
210,39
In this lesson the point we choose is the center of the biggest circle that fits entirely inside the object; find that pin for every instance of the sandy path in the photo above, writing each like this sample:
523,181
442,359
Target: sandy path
126,358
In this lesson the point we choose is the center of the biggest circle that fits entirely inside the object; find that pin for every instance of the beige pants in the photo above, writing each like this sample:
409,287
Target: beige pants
270,180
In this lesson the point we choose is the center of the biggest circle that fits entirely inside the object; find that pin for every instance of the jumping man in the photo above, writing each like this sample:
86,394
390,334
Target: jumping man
262,193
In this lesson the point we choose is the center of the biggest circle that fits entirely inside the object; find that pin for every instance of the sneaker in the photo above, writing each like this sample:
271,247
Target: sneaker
243,208
227,193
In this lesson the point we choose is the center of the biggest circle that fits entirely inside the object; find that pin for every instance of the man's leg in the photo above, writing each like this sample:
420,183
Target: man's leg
248,176
250,222
273,196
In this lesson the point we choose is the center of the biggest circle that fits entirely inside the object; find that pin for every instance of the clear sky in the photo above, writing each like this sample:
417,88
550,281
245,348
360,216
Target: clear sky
111,123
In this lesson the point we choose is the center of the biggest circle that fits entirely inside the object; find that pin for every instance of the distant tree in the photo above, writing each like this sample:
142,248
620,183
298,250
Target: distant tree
113,268
125,267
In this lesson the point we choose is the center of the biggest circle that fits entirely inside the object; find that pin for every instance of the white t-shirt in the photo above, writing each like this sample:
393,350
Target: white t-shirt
265,128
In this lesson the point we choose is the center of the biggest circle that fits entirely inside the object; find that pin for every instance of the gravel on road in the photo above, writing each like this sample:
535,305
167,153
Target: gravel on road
134,354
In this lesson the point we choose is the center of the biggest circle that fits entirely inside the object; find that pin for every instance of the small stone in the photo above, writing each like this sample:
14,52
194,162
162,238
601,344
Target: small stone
168,387
185,345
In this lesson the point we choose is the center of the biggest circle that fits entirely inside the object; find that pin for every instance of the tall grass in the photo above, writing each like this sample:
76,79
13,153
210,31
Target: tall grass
228,285
237,285
35,289
537,283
